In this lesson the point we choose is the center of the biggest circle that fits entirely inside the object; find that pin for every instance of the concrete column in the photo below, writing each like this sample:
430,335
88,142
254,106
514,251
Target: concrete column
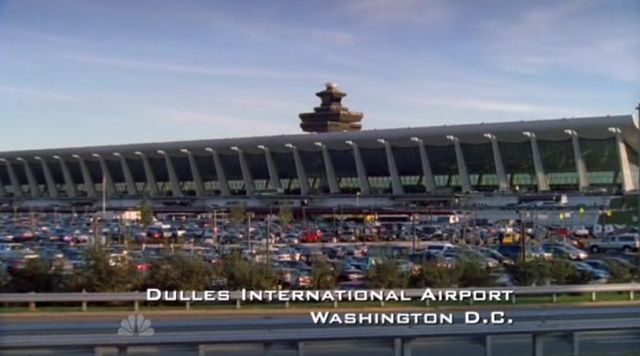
128,177
274,179
69,184
465,182
503,183
34,190
52,188
303,181
148,172
628,183
107,180
396,183
3,192
581,167
222,177
195,173
360,169
328,166
541,177
86,177
176,191
13,178
249,186
428,179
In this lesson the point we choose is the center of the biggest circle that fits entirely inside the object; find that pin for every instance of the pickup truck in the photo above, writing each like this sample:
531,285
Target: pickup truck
624,242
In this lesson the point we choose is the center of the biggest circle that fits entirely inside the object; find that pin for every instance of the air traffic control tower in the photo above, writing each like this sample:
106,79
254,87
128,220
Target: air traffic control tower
331,116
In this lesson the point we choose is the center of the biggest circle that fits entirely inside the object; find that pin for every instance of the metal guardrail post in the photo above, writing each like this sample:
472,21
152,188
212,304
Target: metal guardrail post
187,306
335,303
202,350
397,347
488,345
593,296
575,343
538,344
32,304
269,349
238,303
406,347
631,295
513,299
300,348
287,305
554,298
136,305
84,302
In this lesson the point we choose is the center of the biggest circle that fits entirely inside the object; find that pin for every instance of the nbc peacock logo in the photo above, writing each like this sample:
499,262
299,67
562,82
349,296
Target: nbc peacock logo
135,325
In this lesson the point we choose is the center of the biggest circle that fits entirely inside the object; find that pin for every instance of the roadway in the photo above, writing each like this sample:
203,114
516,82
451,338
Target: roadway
591,343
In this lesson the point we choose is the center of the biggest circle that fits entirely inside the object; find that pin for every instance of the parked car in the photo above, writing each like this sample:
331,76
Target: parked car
624,242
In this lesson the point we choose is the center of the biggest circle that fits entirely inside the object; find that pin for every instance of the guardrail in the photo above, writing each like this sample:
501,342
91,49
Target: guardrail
401,337
137,297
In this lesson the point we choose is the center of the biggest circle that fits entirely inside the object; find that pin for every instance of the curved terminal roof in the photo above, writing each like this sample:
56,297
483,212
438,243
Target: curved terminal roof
588,127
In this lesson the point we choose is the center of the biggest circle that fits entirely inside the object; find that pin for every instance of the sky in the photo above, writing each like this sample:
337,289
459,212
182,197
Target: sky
95,72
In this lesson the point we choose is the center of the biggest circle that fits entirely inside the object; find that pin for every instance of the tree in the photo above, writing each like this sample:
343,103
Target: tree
237,214
387,274
35,276
103,275
178,272
530,273
433,274
473,274
323,277
285,215
146,213
240,273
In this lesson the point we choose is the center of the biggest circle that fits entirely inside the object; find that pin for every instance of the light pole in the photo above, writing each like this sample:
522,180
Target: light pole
249,216
269,235
414,237
638,174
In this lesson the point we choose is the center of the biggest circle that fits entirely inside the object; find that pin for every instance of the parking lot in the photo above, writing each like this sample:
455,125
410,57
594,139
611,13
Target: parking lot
346,251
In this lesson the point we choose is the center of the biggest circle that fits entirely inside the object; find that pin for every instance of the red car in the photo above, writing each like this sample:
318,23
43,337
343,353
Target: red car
311,236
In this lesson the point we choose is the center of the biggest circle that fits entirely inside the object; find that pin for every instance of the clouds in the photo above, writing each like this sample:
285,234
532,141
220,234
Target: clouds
167,67
36,94
423,12
208,69
580,37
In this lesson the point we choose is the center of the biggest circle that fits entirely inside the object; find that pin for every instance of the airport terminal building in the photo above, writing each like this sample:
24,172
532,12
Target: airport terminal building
592,155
